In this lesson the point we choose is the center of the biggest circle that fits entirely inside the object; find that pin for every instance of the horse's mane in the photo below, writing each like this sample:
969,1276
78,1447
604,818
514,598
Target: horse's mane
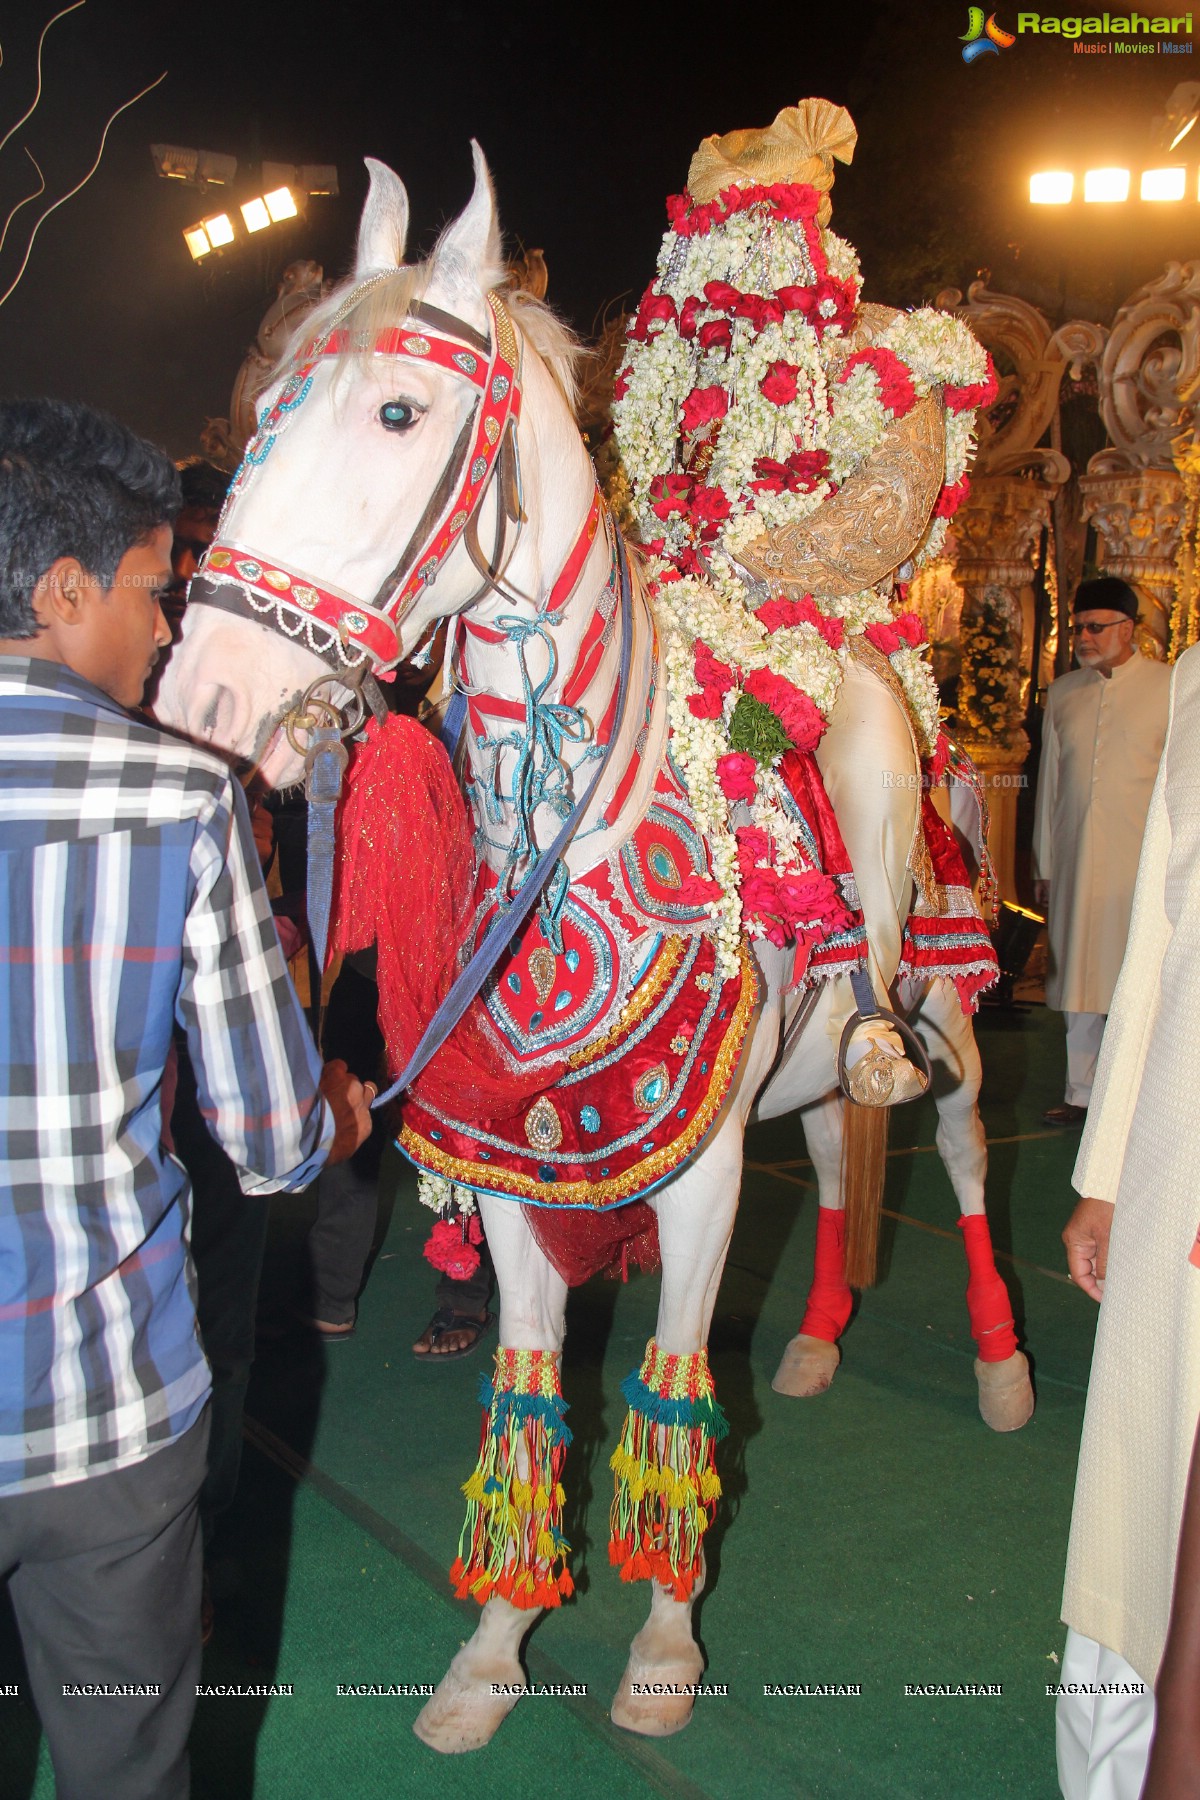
385,303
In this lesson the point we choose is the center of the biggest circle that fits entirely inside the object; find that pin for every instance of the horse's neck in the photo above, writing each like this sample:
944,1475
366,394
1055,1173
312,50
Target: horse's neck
542,685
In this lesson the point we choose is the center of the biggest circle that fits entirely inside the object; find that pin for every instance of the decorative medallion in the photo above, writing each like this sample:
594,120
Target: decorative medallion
663,865
354,621
458,521
478,470
251,571
543,1128
491,430
463,360
542,966
275,578
500,388
306,597
589,1118
218,559
650,1089
416,346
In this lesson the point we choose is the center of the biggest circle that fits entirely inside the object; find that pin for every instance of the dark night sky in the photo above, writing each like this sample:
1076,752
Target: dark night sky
587,123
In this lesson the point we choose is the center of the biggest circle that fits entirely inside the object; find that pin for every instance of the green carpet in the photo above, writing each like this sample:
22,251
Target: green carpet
878,1536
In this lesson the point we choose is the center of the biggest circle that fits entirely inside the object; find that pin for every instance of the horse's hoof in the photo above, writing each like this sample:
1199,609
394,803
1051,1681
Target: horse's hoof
808,1366
1005,1392
464,1714
660,1713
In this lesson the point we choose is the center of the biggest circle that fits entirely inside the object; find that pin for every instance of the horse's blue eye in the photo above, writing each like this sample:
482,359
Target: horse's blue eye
396,415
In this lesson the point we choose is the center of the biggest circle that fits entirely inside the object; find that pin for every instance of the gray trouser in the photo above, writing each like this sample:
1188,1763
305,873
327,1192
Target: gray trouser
104,1577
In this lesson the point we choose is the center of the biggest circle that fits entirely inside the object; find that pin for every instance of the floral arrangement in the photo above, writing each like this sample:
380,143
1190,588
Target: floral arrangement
989,691
741,409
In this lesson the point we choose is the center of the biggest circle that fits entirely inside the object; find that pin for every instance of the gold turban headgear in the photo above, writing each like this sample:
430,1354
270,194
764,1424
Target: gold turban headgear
799,146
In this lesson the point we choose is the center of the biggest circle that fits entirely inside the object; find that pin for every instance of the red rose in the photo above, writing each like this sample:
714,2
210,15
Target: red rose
687,316
795,299
951,498
705,705
760,311
910,627
704,406
792,200
939,759
710,506
754,847
737,775
655,310
698,890
670,494
759,893
720,295
885,637
809,897
708,670
779,384
621,384
981,393
717,334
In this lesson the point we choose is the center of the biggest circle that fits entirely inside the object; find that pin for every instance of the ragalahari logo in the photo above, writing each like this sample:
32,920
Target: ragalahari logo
983,38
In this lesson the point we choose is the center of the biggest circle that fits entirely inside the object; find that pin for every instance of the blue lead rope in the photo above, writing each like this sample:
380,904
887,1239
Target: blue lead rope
509,922
324,763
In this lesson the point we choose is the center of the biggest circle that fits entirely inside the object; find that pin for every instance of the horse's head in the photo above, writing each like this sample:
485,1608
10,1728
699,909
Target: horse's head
383,474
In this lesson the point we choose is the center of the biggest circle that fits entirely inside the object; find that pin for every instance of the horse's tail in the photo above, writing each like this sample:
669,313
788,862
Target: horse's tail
864,1164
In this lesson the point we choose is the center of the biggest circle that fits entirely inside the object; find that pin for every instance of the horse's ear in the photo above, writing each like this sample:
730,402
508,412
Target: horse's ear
468,251
384,225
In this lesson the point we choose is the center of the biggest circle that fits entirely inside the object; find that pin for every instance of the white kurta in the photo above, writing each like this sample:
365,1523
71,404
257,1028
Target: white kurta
1141,1149
1101,741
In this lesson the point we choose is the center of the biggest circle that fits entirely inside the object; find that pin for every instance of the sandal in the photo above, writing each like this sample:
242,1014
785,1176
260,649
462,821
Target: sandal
446,1320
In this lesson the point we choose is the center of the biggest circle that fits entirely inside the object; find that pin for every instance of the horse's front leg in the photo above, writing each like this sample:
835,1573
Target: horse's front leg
666,1483
511,1553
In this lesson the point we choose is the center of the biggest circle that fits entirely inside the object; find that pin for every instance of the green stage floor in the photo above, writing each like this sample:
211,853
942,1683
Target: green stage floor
878,1536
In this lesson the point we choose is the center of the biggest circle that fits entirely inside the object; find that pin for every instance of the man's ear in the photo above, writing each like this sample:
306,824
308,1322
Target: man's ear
59,595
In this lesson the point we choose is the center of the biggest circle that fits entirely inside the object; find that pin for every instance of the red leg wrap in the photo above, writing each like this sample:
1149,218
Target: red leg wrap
829,1299
988,1304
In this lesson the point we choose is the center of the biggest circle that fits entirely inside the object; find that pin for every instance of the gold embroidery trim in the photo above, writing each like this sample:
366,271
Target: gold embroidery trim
640,1175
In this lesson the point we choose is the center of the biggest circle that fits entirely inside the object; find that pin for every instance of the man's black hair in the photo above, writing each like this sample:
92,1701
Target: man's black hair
73,482
204,485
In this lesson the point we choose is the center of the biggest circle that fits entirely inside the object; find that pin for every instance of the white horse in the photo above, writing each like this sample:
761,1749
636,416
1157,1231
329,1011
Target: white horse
348,469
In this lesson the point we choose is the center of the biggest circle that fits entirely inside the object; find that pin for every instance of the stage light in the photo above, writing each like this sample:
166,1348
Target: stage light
200,168
219,229
280,204
256,215
1106,184
1163,184
1053,187
303,178
196,239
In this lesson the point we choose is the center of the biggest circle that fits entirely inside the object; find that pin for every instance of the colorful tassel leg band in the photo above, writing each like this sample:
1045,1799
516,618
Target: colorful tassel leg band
829,1298
667,1485
512,1542
988,1305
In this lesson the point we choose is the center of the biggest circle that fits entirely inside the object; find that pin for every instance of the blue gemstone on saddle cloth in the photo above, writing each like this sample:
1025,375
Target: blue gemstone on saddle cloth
562,1001
546,1173
650,1089
535,1021
589,1118
513,980
572,960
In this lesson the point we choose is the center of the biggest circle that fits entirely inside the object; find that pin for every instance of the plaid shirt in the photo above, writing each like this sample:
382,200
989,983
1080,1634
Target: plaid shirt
130,897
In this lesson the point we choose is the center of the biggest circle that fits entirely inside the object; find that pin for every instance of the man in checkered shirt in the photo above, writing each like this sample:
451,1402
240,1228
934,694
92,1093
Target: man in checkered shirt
130,897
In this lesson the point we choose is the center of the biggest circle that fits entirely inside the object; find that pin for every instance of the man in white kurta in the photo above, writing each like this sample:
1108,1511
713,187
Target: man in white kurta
1137,1165
1101,741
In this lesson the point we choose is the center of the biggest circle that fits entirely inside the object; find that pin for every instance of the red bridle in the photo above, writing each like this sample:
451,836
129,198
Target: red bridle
340,628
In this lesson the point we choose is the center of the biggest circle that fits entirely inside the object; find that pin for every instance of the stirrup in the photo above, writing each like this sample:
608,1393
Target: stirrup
873,1079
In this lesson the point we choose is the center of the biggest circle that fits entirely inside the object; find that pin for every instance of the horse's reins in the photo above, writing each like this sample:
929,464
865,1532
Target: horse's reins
358,640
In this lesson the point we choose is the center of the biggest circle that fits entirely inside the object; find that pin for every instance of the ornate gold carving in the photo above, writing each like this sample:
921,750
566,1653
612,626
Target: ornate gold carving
874,521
